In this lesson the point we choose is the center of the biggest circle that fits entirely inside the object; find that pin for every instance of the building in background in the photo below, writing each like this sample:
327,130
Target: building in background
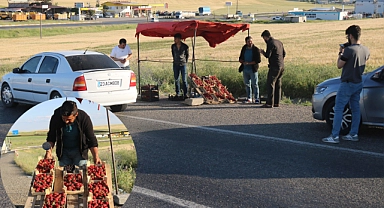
129,9
369,7
321,13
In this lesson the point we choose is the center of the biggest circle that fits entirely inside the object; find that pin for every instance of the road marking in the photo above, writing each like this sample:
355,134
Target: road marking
167,198
375,154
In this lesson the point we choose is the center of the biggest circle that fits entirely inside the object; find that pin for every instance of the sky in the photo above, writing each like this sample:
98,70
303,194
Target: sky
37,118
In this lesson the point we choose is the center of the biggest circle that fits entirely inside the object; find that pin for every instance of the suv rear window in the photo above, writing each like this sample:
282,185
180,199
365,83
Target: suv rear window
91,61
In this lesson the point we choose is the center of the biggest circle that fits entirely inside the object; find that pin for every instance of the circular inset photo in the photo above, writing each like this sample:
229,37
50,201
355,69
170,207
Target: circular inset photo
68,152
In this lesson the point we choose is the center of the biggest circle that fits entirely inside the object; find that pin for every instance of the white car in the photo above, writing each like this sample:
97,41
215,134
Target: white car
82,74
277,18
154,19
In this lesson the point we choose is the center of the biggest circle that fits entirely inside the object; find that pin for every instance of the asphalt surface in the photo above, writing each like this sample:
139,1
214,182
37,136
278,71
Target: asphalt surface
238,155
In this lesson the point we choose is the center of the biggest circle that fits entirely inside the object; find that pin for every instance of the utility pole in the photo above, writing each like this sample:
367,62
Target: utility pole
237,6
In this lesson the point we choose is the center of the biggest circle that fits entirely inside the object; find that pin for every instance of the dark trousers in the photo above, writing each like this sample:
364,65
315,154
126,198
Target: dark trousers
177,69
274,85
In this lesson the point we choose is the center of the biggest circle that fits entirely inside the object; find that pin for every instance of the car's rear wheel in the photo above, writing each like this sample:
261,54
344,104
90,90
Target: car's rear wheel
7,96
346,119
55,95
118,108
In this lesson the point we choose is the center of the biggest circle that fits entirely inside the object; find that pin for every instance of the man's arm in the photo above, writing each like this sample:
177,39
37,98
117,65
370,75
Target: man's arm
342,58
241,58
51,137
91,138
186,53
173,56
113,55
129,53
48,153
95,155
268,53
340,62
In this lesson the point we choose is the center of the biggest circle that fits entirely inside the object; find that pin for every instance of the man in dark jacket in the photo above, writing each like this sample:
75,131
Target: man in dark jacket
180,56
275,54
72,131
250,59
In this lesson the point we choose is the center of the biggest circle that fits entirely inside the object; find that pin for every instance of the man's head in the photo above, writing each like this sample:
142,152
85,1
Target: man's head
248,41
122,43
266,35
353,33
69,111
177,38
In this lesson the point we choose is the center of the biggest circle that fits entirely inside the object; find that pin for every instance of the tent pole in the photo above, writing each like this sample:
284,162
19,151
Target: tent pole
194,44
138,62
113,154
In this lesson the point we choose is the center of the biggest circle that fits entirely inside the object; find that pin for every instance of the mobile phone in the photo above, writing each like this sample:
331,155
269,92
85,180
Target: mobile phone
342,45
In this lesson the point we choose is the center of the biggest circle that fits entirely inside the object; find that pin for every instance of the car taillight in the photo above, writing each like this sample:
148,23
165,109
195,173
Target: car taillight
133,80
79,84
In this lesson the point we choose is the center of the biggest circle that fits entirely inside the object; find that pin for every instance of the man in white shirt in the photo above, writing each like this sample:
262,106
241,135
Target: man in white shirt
121,54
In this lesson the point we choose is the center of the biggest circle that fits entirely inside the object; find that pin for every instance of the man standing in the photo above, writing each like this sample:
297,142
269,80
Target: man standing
352,59
180,56
250,59
275,54
72,131
121,54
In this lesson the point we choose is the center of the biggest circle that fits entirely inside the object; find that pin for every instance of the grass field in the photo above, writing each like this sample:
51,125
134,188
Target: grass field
311,47
217,6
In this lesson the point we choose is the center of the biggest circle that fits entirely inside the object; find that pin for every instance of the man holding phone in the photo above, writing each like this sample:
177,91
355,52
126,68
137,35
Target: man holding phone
352,59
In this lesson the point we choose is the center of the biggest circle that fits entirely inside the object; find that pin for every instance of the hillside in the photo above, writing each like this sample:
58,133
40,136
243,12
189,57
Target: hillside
217,6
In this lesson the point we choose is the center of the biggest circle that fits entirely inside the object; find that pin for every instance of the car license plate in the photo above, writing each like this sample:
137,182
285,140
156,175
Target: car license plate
106,83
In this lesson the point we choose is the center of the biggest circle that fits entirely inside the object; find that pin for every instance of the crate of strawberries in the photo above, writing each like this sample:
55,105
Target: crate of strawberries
41,183
96,171
98,203
55,200
98,194
45,166
73,182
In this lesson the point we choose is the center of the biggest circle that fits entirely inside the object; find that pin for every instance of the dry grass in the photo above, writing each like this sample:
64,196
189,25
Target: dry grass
306,43
218,6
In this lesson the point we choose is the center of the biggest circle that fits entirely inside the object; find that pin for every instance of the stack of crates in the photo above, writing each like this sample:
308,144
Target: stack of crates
150,93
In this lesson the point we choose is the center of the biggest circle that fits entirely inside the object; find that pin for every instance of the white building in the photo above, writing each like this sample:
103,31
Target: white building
369,6
321,14
380,7
365,6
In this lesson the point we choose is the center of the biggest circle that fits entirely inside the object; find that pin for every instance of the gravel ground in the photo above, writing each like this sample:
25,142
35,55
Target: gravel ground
17,189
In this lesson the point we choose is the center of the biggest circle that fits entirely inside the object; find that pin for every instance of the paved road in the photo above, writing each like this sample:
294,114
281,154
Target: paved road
238,155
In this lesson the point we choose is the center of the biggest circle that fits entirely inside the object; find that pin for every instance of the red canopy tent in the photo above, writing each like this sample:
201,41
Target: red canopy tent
213,32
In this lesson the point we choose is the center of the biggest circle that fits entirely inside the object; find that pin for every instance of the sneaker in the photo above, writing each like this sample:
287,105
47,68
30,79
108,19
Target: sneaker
353,138
247,101
257,101
331,139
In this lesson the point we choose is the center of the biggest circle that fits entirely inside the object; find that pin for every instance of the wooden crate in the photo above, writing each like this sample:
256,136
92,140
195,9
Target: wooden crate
74,200
150,93
81,191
